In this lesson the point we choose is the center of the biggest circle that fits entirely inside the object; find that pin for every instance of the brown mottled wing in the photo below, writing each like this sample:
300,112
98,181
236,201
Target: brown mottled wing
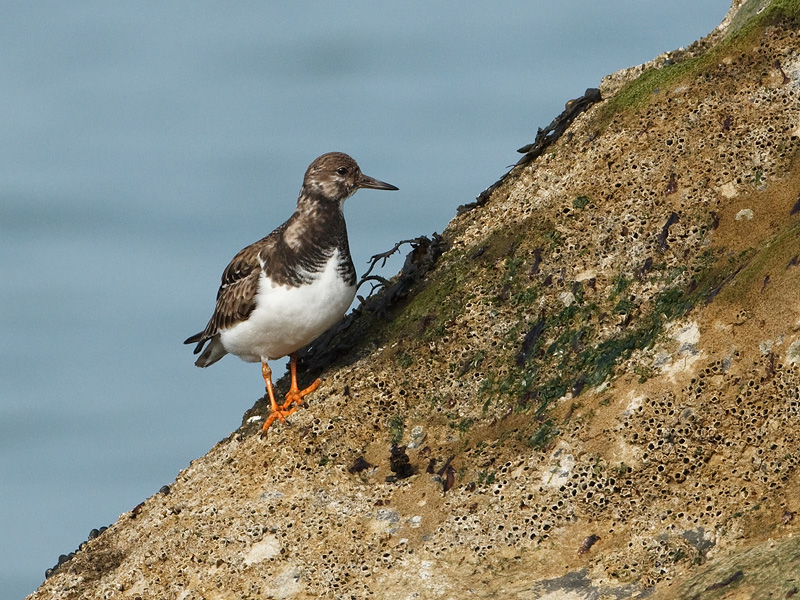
236,294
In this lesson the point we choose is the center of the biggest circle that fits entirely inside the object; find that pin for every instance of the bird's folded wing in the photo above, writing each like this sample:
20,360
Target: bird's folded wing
236,296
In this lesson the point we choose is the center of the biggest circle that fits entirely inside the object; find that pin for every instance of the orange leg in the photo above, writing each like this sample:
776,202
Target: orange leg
296,395
276,412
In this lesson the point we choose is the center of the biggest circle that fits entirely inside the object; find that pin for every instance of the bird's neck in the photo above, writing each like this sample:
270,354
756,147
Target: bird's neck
317,224
312,197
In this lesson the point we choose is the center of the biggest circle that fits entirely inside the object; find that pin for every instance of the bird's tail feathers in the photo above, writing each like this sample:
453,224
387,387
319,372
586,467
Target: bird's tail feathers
194,339
213,352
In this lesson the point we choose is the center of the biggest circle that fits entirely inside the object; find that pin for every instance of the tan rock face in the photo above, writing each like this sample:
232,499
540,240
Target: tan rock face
602,373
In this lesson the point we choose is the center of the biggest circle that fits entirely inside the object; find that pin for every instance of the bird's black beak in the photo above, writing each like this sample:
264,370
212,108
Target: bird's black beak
374,184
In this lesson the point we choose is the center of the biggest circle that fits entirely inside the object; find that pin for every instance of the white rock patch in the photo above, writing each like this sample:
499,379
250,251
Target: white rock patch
263,550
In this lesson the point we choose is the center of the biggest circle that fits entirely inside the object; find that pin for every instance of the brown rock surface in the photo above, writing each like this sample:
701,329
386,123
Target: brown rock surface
603,369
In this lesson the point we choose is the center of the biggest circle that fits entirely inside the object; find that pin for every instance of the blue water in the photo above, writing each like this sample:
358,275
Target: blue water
143,144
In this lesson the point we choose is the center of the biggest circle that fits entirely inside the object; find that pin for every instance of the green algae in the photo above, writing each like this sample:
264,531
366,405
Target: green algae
569,353
757,263
750,21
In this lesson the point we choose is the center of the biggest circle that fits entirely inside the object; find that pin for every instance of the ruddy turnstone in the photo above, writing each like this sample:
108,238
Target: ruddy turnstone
280,293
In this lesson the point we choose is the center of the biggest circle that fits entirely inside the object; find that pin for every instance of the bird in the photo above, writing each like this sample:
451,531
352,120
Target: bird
281,292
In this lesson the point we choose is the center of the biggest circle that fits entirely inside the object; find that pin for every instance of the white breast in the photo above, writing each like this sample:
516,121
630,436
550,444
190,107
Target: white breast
287,318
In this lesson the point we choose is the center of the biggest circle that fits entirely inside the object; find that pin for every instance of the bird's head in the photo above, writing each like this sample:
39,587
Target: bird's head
335,177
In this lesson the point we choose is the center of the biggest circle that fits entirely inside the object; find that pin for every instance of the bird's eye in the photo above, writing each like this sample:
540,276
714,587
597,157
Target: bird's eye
342,170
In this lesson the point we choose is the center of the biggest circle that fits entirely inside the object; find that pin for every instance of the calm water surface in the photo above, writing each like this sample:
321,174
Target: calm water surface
145,143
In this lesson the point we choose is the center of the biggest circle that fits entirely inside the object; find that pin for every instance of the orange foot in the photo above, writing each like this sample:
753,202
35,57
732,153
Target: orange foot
294,396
